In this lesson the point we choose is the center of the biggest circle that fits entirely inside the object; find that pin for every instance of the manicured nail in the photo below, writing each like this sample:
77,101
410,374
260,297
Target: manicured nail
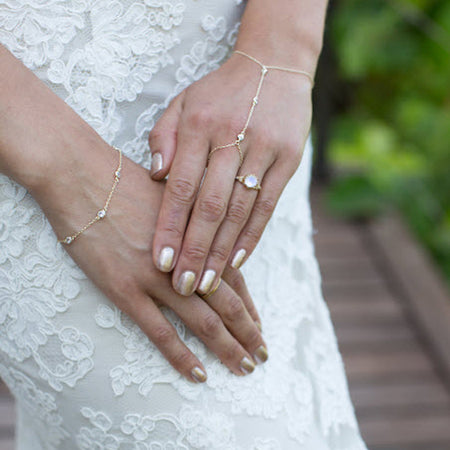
261,355
186,283
258,324
238,258
198,374
157,163
247,365
166,259
207,281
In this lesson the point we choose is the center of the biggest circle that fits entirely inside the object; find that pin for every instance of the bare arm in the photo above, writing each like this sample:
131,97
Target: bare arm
64,163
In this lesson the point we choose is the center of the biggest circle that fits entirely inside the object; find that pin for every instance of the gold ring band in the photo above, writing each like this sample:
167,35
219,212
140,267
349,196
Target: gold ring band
206,296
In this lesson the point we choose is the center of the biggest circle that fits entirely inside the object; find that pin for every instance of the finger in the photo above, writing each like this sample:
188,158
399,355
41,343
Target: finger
275,181
210,328
162,139
160,331
256,164
236,281
207,215
180,191
232,310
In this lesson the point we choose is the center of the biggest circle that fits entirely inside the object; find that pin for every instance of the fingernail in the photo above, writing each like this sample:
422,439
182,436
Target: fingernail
247,365
258,324
186,283
207,281
198,374
157,163
261,355
166,259
238,258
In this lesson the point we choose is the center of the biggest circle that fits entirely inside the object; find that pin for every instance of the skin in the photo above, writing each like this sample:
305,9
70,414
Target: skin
208,221
49,149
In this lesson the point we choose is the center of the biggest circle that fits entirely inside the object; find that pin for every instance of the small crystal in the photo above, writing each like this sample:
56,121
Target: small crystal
68,240
251,181
264,70
255,100
117,173
240,137
101,214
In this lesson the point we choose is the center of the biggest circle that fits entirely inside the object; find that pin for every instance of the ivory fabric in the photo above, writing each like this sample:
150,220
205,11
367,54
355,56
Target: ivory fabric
83,374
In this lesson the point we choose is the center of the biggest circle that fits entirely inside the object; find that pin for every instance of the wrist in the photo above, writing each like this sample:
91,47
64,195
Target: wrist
279,33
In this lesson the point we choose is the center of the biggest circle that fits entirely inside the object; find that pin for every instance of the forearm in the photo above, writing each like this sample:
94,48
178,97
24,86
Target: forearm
283,32
39,132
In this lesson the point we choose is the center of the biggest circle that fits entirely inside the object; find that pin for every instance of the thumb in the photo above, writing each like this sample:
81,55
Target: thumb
163,139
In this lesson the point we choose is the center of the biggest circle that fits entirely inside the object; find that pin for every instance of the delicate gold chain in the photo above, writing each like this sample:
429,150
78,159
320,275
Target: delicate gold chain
102,212
264,70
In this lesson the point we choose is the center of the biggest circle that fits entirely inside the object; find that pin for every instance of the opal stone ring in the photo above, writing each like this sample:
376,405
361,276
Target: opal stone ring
249,181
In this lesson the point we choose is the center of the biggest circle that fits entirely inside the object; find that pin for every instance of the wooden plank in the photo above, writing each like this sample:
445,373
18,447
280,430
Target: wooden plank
429,429
373,334
424,290
7,444
400,395
395,364
363,311
7,414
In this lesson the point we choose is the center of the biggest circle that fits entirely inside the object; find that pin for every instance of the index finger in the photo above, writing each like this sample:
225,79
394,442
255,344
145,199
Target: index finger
181,190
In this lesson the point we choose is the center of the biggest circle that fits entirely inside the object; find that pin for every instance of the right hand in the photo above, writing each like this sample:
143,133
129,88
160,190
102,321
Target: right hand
115,253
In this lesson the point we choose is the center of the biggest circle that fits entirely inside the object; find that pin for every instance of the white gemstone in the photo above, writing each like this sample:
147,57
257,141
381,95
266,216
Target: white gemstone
251,181
264,70
118,174
255,100
68,240
101,214
240,137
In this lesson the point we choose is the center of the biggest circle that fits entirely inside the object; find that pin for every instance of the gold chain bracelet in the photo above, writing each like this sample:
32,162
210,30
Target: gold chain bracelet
264,70
102,212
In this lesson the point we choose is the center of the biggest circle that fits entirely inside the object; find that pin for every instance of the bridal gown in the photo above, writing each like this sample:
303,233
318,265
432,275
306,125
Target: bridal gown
83,374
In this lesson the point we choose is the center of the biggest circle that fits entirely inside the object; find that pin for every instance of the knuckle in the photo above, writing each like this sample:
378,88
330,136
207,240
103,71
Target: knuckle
235,279
219,253
252,236
234,309
265,206
237,212
194,252
210,325
233,353
182,190
200,117
182,360
211,208
163,335
253,338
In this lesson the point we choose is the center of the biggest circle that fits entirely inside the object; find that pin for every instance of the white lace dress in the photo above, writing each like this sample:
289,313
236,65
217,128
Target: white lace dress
83,374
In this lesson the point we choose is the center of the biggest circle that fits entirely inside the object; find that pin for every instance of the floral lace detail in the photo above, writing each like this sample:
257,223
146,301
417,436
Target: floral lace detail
38,405
189,429
119,63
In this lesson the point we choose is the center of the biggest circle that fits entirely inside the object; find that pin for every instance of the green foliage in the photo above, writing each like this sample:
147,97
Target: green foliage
392,135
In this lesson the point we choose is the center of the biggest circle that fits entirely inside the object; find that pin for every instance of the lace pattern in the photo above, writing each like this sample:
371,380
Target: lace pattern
118,64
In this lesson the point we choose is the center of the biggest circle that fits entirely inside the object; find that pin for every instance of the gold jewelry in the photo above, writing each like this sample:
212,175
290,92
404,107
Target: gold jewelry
250,181
102,212
264,70
206,296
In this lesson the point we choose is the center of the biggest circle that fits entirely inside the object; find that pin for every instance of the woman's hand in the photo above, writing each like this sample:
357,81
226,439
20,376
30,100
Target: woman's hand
115,254
205,225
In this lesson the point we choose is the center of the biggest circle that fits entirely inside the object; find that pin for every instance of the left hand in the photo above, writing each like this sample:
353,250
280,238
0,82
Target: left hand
218,220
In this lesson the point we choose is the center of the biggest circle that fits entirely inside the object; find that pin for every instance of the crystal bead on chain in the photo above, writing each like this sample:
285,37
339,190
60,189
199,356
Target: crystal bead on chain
264,71
101,214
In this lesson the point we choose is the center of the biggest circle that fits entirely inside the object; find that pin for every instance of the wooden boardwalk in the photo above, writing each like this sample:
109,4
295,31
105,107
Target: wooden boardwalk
396,365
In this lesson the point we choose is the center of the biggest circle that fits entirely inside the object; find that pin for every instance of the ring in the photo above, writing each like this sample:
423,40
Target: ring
206,296
250,181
